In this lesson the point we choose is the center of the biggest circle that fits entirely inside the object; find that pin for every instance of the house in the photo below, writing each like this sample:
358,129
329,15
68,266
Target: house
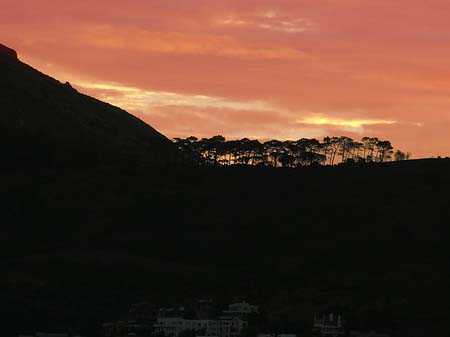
328,324
240,309
204,309
172,327
226,327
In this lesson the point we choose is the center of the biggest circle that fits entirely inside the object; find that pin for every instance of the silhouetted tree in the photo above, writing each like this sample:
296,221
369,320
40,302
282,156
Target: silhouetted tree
369,148
274,150
303,152
400,155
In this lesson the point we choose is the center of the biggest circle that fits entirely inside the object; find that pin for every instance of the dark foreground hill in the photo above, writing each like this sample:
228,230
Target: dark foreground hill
78,246
44,120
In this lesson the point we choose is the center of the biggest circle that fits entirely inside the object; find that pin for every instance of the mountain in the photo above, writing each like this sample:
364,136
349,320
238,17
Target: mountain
43,119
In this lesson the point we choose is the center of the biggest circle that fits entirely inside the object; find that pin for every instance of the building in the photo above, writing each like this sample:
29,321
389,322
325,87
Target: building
226,327
240,310
329,324
204,309
143,315
173,327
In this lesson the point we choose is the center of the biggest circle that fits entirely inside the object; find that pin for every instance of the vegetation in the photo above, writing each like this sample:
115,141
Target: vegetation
399,155
217,151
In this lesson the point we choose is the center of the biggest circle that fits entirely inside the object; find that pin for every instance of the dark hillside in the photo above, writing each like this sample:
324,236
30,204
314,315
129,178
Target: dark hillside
79,246
44,120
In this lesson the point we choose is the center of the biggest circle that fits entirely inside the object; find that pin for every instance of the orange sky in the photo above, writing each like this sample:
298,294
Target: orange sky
263,69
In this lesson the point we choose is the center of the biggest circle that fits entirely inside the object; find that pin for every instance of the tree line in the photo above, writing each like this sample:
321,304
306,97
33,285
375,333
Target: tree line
217,151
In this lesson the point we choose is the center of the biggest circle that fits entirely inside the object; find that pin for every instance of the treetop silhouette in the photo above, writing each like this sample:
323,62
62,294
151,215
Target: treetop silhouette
217,151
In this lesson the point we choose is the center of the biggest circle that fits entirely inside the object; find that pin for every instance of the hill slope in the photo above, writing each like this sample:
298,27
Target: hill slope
41,117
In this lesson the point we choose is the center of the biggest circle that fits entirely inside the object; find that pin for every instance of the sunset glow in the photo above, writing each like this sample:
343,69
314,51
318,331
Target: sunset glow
264,69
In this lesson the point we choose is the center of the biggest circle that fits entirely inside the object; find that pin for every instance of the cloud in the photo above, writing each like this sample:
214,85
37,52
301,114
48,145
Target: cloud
353,123
203,115
209,121
140,99
133,39
270,20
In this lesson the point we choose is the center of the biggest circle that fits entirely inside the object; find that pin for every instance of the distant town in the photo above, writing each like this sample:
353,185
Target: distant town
203,319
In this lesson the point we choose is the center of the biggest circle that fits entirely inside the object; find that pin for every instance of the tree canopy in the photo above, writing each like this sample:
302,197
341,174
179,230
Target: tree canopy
217,151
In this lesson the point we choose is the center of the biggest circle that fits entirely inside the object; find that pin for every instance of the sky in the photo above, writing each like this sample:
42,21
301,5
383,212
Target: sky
283,69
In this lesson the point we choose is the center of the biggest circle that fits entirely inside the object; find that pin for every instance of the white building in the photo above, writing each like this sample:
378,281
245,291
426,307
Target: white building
172,327
230,327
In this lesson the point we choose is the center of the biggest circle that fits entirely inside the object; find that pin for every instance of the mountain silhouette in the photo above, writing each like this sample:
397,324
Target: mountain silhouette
44,119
